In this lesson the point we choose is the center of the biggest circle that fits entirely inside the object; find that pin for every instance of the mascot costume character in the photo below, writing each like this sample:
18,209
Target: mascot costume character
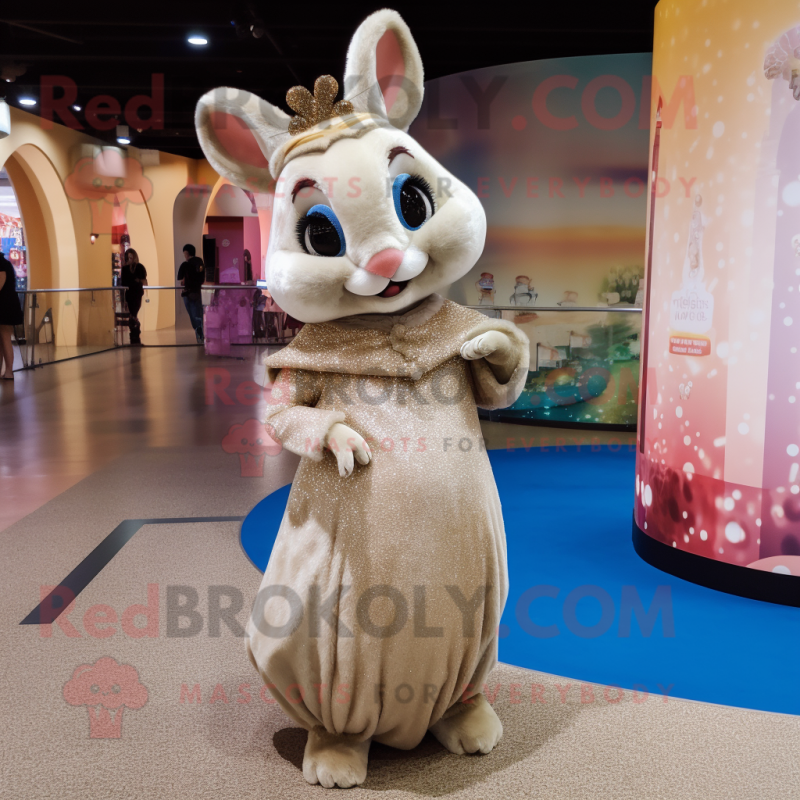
377,617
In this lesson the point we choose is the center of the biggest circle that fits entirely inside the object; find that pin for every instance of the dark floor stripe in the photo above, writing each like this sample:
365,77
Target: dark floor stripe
90,567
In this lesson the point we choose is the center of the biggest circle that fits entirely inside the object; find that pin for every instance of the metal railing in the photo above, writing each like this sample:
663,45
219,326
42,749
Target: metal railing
65,323
536,309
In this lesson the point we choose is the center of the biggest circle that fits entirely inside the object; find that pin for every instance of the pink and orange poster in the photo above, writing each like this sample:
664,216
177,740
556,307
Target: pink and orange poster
719,435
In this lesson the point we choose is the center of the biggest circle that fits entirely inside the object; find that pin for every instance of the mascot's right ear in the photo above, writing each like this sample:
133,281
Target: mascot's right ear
239,132
384,73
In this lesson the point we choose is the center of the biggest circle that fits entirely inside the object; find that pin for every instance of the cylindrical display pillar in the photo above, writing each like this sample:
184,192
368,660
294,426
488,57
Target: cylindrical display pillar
718,462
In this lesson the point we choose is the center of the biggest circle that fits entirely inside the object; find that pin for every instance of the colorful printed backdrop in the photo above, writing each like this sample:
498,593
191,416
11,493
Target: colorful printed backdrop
557,151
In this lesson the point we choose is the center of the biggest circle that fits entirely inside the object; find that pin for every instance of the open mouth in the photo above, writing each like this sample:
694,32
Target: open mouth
393,289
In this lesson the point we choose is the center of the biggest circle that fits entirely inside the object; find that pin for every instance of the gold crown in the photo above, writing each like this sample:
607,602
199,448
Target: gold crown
315,108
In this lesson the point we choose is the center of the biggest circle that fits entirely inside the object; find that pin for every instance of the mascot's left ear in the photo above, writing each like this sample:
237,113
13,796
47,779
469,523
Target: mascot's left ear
384,71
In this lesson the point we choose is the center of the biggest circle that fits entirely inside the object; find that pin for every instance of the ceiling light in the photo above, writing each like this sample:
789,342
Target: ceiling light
76,108
197,41
123,134
27,101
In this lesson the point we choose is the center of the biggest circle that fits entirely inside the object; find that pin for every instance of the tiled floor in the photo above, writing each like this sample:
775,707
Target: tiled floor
65,421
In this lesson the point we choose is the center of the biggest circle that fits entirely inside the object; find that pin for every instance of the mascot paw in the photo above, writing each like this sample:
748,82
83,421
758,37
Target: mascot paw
476,729
332,760
346,445
494,346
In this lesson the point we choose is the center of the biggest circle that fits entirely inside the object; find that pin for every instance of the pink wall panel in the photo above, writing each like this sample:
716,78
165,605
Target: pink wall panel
230,230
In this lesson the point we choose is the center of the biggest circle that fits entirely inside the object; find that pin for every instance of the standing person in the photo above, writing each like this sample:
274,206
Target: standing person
191,275
134,278
10,315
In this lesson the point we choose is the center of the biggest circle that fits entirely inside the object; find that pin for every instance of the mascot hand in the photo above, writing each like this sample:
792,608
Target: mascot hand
494,346
344,443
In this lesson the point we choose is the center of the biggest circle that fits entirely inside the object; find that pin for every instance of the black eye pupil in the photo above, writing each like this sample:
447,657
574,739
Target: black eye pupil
322,237
412,204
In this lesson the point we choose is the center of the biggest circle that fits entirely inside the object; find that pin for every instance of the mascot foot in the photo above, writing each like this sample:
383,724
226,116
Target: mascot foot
332,760
475,729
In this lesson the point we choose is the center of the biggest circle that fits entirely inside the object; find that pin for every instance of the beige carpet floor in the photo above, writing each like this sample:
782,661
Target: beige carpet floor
573,745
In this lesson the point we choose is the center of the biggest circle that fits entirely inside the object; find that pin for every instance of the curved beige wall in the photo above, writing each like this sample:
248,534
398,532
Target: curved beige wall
45,159
58,227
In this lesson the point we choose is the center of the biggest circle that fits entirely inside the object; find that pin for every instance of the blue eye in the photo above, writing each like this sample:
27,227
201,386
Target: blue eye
413,200
320,233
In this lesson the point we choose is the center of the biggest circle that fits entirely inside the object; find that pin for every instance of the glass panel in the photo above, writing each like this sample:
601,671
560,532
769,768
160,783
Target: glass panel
230,315
584,363
65,324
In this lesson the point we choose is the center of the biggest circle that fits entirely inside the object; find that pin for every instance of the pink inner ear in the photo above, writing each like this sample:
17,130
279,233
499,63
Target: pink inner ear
390,67
237,140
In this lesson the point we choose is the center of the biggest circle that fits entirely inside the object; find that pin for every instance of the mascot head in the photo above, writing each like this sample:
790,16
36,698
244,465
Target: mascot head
364,219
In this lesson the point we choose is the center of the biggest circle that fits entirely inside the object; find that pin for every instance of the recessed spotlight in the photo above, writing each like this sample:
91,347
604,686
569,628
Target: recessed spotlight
76,108
123,140
197,41
27,101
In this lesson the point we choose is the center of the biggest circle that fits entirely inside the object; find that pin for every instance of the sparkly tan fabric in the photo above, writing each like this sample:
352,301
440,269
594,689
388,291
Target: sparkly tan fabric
400,547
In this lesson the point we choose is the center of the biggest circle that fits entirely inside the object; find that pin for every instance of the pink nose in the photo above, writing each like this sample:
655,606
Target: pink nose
385,263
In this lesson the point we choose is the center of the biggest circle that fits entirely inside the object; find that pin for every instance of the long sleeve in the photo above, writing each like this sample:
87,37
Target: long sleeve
489,392
298,425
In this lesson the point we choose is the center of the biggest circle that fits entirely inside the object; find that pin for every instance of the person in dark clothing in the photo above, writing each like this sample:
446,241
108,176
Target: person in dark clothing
10,315
191,275
134,278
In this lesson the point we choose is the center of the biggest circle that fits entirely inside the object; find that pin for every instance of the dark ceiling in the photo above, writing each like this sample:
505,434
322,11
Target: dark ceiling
114,49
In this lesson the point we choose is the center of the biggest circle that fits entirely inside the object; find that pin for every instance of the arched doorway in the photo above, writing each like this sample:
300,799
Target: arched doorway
232,223
44,206
206,216
50,236
12,231
188,217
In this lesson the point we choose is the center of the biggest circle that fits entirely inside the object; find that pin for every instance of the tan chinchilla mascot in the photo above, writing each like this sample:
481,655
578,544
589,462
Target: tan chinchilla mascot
377,617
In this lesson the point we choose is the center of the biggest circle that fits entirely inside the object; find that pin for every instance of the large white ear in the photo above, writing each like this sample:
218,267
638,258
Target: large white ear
384,71
239,132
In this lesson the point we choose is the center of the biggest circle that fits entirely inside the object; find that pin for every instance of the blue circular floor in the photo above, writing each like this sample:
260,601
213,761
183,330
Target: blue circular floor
583,605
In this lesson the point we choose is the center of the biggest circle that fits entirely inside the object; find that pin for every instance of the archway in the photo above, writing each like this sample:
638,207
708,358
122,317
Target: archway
198,203
232,223
188,216
12,231
52,248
